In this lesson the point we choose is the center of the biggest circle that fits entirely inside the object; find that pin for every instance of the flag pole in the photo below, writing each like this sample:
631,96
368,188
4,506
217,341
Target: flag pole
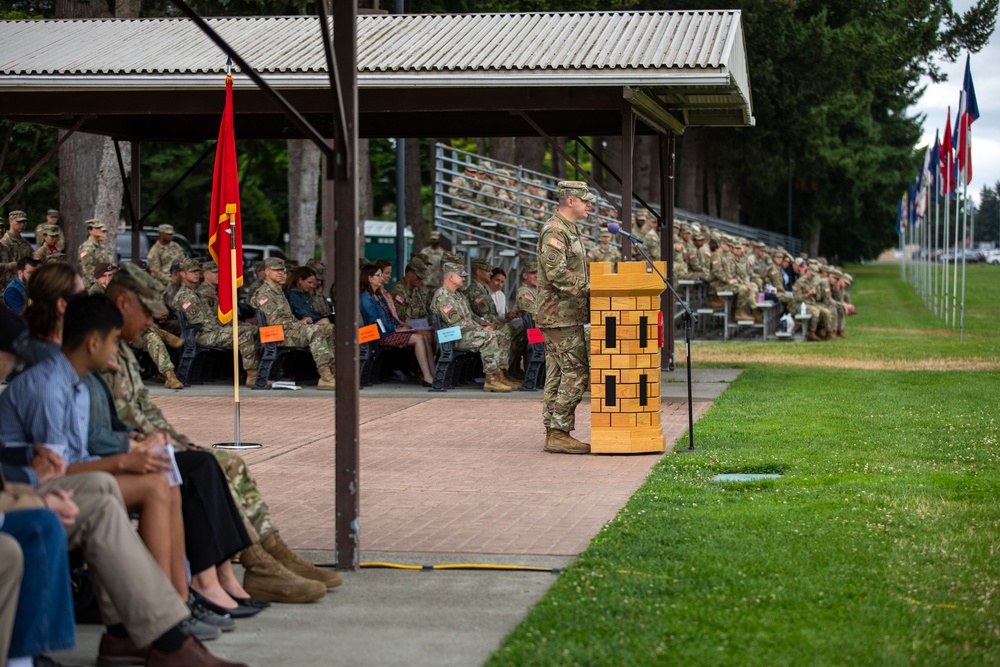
954,279
932,257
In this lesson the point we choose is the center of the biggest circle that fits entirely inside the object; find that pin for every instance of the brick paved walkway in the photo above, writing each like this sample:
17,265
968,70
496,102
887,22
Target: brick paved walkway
437,474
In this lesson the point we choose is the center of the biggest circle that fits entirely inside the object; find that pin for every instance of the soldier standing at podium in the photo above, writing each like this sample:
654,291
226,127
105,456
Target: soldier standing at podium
563,309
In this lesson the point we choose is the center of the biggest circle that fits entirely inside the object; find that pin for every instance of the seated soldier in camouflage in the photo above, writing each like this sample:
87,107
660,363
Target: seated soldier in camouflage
477,334
270,300
319,302
806,291
94,251
604,251
836,308
481,303
273,571
527,293
774,281
746,289
409,294
198,310
722,276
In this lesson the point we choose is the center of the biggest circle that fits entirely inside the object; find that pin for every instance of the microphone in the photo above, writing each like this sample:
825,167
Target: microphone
615,228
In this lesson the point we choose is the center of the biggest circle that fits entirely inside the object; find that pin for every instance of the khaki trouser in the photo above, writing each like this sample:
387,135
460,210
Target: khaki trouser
131,588
11,570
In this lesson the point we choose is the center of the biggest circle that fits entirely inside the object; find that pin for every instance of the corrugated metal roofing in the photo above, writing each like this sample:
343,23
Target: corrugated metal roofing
409,43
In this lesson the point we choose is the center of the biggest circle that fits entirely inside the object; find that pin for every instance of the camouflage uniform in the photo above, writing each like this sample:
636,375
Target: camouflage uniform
43,252
820,315
527,299
197,310
746,289
11,250
136,408
92,253
160,258
453,309
434,259
209,295
825,293
680,261
722,275
563,309
481,302
410,304
610,254
700,263
271,301
152,344
651,241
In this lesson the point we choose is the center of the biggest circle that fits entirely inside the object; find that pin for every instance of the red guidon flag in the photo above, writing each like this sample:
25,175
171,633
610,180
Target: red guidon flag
226,210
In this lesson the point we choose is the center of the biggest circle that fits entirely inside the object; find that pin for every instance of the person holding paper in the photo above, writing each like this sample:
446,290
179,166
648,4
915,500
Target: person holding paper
375,310
49,404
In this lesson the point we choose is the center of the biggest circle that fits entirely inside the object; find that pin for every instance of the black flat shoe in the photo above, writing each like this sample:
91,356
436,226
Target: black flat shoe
427,384
250,602
240,611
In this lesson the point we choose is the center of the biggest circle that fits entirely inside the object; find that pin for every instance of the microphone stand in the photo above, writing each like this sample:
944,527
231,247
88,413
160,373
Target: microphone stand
689,318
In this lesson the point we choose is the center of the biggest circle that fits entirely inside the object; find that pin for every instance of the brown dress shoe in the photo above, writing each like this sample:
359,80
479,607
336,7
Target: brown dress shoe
191,654
116,651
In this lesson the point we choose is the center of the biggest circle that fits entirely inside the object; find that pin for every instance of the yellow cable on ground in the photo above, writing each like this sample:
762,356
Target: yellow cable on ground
461,566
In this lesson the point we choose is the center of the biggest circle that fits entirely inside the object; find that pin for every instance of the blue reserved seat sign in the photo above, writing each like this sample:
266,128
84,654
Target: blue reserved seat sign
449,334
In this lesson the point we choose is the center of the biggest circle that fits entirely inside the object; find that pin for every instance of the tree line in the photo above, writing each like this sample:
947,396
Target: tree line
832,84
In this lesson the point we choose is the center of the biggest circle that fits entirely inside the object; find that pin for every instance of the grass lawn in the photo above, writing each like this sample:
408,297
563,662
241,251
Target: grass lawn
880,545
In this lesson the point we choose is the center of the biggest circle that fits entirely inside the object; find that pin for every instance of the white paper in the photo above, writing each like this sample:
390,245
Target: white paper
174,474
420,324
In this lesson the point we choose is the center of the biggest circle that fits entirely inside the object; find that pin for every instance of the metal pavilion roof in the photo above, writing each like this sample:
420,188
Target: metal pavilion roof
691,64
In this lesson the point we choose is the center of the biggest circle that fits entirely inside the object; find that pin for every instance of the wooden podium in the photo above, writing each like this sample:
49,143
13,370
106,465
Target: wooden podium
625,341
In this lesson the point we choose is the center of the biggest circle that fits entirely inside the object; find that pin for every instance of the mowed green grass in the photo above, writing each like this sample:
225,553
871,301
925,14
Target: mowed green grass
880,545
892,325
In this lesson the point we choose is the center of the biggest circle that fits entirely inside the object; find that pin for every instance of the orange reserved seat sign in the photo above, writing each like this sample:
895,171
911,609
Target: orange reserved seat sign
368,333
274,334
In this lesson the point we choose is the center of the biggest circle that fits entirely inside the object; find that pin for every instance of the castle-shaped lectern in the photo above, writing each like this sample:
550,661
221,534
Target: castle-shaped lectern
625,342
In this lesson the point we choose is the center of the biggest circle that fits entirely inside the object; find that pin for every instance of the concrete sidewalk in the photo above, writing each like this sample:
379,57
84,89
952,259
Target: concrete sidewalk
445,478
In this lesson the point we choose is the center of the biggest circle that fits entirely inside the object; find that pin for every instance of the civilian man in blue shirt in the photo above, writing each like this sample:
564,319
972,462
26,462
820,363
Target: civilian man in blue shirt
15,295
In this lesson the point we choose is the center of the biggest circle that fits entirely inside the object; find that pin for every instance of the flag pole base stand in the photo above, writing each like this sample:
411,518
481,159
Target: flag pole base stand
237,445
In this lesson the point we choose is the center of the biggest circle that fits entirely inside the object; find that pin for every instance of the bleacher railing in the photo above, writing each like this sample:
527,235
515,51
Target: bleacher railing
495,209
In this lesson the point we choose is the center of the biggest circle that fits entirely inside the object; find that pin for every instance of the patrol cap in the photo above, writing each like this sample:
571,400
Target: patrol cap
419,266
849,278
146,287
51,230
318,267
103,268
530,266
56,258
191,264
454,267
813,265
575,189
837,274
453,257
17,216
757,244
274,263
435,235
699,235
94,223
482,264
487,165
209,266
52,213
166,229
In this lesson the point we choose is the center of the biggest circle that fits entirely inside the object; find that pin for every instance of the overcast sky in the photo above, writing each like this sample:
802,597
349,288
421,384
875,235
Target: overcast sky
986,131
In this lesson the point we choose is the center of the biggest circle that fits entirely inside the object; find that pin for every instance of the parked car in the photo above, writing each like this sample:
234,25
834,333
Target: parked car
251,253
993,257
150,235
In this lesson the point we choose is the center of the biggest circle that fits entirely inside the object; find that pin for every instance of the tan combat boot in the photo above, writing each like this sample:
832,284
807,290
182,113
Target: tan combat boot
494,382
251,377
508,379
327,381
170,339
274,545
268,580
561,442
813,337
170,380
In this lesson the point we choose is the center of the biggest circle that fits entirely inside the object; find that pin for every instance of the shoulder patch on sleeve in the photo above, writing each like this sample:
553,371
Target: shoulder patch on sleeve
186,305
399,298
83,254
479,299
556,243
447,309
529,297
262,301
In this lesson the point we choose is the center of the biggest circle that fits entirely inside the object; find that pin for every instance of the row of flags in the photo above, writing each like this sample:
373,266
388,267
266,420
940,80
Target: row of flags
947,164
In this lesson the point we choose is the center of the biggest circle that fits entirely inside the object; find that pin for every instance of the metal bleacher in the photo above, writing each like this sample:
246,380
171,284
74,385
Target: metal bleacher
494,210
